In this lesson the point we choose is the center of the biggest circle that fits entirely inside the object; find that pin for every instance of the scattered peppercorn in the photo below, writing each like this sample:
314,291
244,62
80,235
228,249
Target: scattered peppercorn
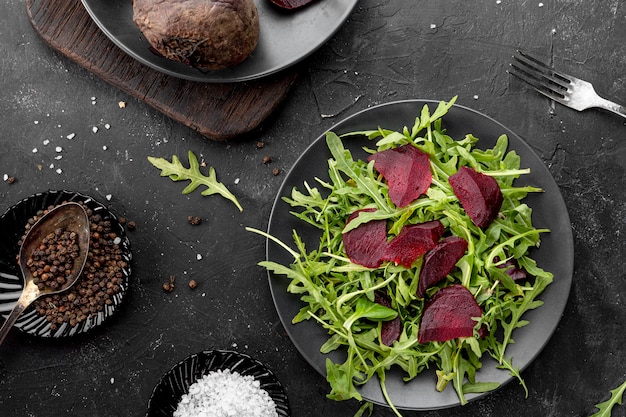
169,286
10,180
267,159
193,284
194,220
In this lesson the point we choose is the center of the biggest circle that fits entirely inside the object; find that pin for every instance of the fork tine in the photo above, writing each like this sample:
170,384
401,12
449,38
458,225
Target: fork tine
534,63
536,83
542,78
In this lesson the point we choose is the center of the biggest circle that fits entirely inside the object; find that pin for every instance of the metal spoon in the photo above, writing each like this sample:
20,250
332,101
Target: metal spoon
70,217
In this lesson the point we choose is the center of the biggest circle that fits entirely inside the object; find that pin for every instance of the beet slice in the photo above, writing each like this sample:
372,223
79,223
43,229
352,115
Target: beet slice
412,242
448,315
512,269
366,244
440,261
391,329
290,4
479,195
407,171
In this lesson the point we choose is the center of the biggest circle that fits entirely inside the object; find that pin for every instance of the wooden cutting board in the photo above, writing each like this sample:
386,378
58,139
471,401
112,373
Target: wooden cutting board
217,111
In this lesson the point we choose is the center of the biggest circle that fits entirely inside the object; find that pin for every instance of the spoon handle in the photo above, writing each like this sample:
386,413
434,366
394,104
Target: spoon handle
19,308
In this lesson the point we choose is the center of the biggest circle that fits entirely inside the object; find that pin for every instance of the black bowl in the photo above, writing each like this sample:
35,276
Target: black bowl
175,383
12,224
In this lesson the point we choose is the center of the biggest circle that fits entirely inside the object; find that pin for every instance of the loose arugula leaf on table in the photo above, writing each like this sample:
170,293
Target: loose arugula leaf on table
177,172
339,294
606,408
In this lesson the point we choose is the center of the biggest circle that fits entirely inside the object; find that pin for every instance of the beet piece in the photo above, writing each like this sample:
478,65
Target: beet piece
448,315
440,261
479,195
512,269
391,329
412,242
366,244
290,4
407,171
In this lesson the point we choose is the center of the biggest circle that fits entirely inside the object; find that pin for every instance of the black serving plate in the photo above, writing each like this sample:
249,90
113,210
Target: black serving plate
175,383
12,224
285,38
555,255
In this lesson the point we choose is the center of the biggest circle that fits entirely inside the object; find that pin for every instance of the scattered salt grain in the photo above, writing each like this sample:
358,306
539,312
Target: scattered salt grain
236,181
59,171
35,150
45,142
199,257
476,97
5,177
224,393
121,104
36,122
498,1
58,149
433,26
108,197
94,129
104,148
540,4
117,241
107,126
71,136
58,157
112,380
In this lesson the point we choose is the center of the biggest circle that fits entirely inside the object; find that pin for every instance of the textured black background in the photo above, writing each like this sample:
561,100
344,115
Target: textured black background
387,50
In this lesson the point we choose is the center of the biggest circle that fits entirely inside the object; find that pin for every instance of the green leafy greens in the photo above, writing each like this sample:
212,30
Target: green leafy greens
339,295
605,408
177,172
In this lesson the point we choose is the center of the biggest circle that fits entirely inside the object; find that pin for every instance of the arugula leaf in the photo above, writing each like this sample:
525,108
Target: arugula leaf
605,408
177,172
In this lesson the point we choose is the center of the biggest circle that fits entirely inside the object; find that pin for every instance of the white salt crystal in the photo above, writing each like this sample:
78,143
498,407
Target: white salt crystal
71,136
94,129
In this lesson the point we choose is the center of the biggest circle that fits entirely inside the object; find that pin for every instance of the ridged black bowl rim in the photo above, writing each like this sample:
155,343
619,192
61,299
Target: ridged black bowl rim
12,224
171,387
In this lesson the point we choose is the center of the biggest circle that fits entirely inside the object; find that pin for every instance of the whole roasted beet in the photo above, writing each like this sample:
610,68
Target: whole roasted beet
440,261
290,4
211,34
448,315
479,195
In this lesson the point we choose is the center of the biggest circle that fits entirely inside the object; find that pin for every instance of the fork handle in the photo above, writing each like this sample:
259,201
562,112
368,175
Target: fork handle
613,107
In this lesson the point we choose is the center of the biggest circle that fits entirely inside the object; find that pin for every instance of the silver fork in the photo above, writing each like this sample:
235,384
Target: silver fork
565,89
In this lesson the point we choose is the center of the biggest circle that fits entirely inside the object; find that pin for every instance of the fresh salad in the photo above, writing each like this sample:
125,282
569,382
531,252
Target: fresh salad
423,258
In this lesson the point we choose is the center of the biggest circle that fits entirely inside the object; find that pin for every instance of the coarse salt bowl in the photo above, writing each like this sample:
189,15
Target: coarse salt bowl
204,376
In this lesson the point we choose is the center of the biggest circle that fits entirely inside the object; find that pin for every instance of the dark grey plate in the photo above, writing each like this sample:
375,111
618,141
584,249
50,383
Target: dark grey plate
556,253
285,37
171,387
12,224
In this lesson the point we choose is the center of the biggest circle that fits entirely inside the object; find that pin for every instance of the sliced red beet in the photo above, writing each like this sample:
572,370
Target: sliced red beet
512,269
412,242
440,261
391,329
479,195
291,4
407,171
366,244
448,315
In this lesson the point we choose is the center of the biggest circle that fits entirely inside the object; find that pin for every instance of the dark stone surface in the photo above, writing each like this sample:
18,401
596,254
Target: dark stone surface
386,51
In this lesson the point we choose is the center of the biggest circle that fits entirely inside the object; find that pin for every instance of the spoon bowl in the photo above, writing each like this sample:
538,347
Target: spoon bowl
70,217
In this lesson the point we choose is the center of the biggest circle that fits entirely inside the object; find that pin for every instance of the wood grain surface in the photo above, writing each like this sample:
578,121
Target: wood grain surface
217,111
